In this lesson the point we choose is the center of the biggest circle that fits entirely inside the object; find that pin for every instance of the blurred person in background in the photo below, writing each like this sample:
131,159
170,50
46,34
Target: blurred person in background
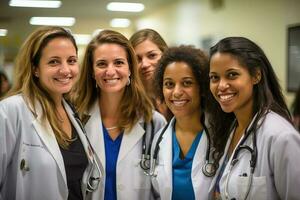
149,47
4,84
296,110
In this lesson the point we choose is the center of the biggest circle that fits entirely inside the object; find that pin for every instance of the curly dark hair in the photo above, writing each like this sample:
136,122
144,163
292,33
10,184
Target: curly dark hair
194,58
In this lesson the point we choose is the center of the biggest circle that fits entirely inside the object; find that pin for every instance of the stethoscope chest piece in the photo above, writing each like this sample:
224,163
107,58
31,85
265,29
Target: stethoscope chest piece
145,163
209,169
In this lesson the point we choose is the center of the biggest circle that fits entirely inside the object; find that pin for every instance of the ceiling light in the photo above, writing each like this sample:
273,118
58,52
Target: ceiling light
120,22
126,7
3,32
52,21
82,39
35,4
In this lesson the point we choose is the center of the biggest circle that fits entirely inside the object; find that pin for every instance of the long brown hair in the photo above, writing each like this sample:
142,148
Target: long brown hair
134,104
28,85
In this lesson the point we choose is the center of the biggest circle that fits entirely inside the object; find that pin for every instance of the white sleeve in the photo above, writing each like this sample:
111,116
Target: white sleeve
285,159
7,142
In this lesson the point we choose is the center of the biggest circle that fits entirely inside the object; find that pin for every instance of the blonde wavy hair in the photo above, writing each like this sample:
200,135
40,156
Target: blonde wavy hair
28,85
135,103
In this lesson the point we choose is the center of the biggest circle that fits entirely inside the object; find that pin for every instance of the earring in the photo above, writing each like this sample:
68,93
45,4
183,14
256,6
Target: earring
128,82
36,74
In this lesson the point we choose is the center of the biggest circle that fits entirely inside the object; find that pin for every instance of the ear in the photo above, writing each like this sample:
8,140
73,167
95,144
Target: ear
36,72
257,77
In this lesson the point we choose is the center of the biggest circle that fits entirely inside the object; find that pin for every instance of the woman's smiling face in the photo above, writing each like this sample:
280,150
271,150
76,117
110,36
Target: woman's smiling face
231,83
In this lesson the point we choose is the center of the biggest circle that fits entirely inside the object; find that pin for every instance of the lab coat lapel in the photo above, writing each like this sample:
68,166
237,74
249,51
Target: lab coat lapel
46,134
200,154
81,135
95,132
166,153
130,139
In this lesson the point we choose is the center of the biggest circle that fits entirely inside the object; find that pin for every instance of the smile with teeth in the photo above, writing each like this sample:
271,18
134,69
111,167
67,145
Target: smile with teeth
111,81
179,102
226,97
63,80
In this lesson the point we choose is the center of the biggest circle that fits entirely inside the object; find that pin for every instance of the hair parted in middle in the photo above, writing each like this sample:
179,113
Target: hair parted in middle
134,104
148,34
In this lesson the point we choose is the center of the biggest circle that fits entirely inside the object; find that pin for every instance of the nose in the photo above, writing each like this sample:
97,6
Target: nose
65,68
110,70
177,92
223,84
145,62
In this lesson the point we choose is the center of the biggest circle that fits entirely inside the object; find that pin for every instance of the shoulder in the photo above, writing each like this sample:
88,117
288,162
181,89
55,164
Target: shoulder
12,103
166,130
158,120
157,117
276,124
277,129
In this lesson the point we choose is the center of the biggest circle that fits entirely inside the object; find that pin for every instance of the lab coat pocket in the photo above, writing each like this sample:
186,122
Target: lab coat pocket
140,179
258,190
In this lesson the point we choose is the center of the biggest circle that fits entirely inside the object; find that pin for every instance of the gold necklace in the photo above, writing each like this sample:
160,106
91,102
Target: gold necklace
111,128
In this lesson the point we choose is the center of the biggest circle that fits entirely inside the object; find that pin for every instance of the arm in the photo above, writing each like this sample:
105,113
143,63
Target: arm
286,161
7,143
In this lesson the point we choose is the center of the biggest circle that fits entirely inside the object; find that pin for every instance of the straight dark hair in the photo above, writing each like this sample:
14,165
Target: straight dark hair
267,94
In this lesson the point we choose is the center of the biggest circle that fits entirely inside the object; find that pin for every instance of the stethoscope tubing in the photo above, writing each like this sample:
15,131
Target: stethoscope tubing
253,151
209,168
90,187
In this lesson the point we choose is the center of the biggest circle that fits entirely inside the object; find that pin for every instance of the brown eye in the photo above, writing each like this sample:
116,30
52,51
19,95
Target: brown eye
187,83
232,75
213,78
168,84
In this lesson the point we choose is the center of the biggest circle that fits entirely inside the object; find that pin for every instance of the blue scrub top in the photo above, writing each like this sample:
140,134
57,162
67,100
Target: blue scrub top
112,148
182,169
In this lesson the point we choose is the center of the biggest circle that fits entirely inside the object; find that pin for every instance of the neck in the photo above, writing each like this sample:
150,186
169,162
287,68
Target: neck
109,105
244,117
58,101
188,125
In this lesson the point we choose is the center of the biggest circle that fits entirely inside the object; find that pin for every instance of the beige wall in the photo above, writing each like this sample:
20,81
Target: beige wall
265,22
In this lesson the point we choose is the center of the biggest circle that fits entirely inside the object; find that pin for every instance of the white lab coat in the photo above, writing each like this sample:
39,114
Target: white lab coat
162,183
277,172
131,182
24,137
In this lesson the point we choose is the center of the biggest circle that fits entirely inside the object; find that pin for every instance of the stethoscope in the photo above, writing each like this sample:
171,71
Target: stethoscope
145,159
253,151
209,168
94,180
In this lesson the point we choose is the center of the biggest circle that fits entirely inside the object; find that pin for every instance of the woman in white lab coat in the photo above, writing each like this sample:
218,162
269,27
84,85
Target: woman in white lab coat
181,81
119,116
251,124
40,138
